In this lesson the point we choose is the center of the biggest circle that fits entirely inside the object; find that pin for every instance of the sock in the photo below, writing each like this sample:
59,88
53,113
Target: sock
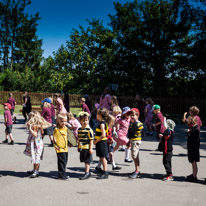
113,164
99,164
127,153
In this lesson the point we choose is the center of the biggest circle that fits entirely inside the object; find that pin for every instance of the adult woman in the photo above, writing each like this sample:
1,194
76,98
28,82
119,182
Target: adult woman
26,105
105,99
59,104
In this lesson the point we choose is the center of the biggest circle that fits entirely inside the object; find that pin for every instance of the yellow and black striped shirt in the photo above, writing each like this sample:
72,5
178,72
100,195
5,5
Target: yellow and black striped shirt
98,133
135,131
84,136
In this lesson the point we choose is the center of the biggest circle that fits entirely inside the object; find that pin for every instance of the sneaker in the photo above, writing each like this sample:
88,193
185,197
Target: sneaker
11,143
30,172
116,168
34,175
86,176
103,176
128,160
190,178
99,170
135,175
168,178
5,141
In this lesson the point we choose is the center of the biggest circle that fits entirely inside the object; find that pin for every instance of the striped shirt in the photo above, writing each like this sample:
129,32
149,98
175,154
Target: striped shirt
85,135
135,131
99,131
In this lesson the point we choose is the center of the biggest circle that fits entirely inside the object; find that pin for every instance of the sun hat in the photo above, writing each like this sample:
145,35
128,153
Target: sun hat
125,110
8,105
170,124
47,100
156,106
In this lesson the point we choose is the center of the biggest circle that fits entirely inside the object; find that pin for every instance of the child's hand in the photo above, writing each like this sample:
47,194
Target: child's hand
91,151
160,135
69,145
95,141
56,147
129,144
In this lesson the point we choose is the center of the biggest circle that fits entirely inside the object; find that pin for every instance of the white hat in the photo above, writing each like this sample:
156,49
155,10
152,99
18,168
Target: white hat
125,110
170,124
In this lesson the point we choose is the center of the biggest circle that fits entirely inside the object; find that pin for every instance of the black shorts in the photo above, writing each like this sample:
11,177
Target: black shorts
102,148
193,154
85,156
12,111
48,131
9,129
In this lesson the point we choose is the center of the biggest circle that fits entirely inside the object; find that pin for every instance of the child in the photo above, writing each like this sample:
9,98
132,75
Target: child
101,141
47,115
61,145
73,123
159,122
193,111
59,104
148,115
135,140
85,143
193,145
122,126
34,146
84,106
166,147
8,123
12,102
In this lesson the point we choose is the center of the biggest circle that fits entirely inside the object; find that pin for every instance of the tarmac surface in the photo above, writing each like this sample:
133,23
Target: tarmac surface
17,189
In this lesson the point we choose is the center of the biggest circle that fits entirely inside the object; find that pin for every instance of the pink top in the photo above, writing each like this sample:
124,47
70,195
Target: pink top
106,102
123,126
60,106
199,122
75,126
8,118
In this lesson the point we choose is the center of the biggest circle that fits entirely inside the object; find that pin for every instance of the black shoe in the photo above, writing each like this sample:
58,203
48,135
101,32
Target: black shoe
103,176
34,175
116,168
5,141
64,178
128,160
11,143
86,176
190,178
99,170
30,172
1,175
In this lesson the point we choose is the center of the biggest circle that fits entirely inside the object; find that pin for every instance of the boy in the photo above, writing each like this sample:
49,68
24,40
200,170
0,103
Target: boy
85,143
193,145
84,106
8,123
135,139
166,147
61,145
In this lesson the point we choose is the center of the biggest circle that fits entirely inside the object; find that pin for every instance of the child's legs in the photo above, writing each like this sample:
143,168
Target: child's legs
104,163
6,134
51,138
87,167
135,146
167,160
137,163
111,157
194,169
36,167
11,137
62,162
116,147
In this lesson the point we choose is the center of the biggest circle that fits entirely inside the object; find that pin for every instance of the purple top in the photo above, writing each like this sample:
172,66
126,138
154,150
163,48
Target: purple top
160,128
11,101
47,114
105,102
8,118
85,108
52,110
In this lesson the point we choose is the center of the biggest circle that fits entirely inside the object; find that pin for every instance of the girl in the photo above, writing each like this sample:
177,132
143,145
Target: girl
101,141
34,146
114,102
148,115
47,115
12,102
122,126
59,104
73,123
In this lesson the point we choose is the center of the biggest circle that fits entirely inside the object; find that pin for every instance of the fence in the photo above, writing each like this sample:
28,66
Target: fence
168,105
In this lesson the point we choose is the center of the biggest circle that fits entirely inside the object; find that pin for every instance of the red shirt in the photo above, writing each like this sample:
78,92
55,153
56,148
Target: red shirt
7,116
47,114
85,108
160,128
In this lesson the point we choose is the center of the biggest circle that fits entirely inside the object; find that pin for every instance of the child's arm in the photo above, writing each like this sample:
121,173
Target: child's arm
32,130
90,146
184,117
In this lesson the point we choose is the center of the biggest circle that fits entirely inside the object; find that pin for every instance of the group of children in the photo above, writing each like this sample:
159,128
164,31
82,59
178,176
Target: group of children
115,128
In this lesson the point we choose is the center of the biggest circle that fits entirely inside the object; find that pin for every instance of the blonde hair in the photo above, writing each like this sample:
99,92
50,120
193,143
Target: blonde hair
114,100
10,94
70,116
111,121
61,116
37,121
50,99
194,110
116,110
104,113
83,99
46,105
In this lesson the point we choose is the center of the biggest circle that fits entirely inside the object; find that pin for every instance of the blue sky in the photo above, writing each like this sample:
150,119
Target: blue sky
59,17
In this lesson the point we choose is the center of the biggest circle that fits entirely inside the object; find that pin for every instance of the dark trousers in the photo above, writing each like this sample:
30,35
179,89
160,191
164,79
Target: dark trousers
167,162
26,110
62,159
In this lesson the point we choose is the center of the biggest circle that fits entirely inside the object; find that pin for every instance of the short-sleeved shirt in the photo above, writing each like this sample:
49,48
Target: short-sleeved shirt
160,128
99,131
135,131
8,118
12,102
28,102
85,108
85,135
105,102
47,114
60,136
